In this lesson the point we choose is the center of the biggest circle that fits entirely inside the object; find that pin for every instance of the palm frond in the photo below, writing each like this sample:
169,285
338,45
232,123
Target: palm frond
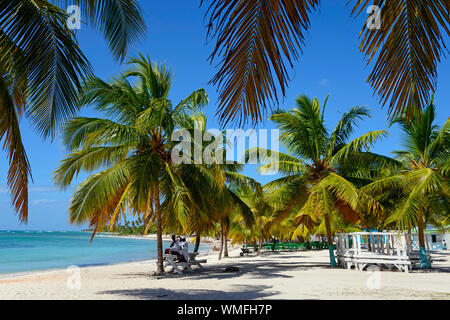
407,47
360,144
193,102
84,133
121,21
303,129
255,40
341,188
99,195
19,171
88,160
346,125
52,60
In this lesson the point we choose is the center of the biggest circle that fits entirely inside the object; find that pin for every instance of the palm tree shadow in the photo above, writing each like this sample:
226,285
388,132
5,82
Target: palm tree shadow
263,270
241,292
442,269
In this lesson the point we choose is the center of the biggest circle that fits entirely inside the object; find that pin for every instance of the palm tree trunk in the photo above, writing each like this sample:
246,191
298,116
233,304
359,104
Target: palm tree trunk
225,241
160,268
330,242
260,238
221,242
424,261
197,242
225,247
260,246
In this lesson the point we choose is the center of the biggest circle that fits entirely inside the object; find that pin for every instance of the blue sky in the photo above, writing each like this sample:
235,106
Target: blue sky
331,64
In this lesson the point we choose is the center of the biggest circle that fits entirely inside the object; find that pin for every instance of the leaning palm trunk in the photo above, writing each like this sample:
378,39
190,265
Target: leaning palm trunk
330,242
225,242
197,242
424,261
225,247
160,268
260,246
260,238
221,242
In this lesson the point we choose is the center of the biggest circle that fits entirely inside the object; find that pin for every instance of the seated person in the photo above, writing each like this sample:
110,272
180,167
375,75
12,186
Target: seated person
184,250
174,248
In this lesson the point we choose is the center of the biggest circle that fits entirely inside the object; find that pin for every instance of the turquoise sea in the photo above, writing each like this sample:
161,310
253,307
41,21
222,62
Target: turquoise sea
24,251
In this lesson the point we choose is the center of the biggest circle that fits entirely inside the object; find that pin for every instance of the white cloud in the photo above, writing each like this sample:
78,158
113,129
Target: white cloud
43,202
43,189
324,82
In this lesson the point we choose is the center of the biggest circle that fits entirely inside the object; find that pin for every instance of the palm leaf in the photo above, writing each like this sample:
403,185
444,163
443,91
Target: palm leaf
407,48
255,40
88,160
341,189
360,144
53,62
99,195
346,125
19,168
121,21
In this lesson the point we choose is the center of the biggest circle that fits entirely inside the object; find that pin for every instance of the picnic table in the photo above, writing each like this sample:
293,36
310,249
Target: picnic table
291,246
170,260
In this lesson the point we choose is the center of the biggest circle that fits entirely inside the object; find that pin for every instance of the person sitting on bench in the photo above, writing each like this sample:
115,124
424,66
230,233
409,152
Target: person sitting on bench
184,251
174,248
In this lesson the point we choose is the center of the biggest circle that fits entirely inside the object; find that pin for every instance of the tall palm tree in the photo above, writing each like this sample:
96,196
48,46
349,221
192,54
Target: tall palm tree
422,189
211,208
315,180
132,146
256,42
41,66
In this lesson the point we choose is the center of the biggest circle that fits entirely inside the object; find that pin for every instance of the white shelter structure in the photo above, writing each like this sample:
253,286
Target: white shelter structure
383,249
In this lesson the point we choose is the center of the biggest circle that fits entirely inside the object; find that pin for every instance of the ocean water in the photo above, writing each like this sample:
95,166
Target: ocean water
24,251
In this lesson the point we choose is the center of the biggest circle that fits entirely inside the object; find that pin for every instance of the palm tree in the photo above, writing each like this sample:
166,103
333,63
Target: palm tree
421,190
132,145
256,42
41,66
316,182
212,208
259,202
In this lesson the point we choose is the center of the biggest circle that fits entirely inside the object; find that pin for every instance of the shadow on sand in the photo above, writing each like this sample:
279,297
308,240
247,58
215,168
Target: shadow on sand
240,292
271,268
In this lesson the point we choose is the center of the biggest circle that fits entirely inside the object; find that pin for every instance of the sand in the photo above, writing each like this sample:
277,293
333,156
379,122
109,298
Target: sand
284,275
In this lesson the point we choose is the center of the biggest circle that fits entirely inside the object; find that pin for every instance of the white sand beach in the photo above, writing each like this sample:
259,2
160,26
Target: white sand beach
284,275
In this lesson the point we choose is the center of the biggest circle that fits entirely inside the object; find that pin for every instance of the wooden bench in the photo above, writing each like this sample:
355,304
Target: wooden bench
181,267
360,261
246,250
194,262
